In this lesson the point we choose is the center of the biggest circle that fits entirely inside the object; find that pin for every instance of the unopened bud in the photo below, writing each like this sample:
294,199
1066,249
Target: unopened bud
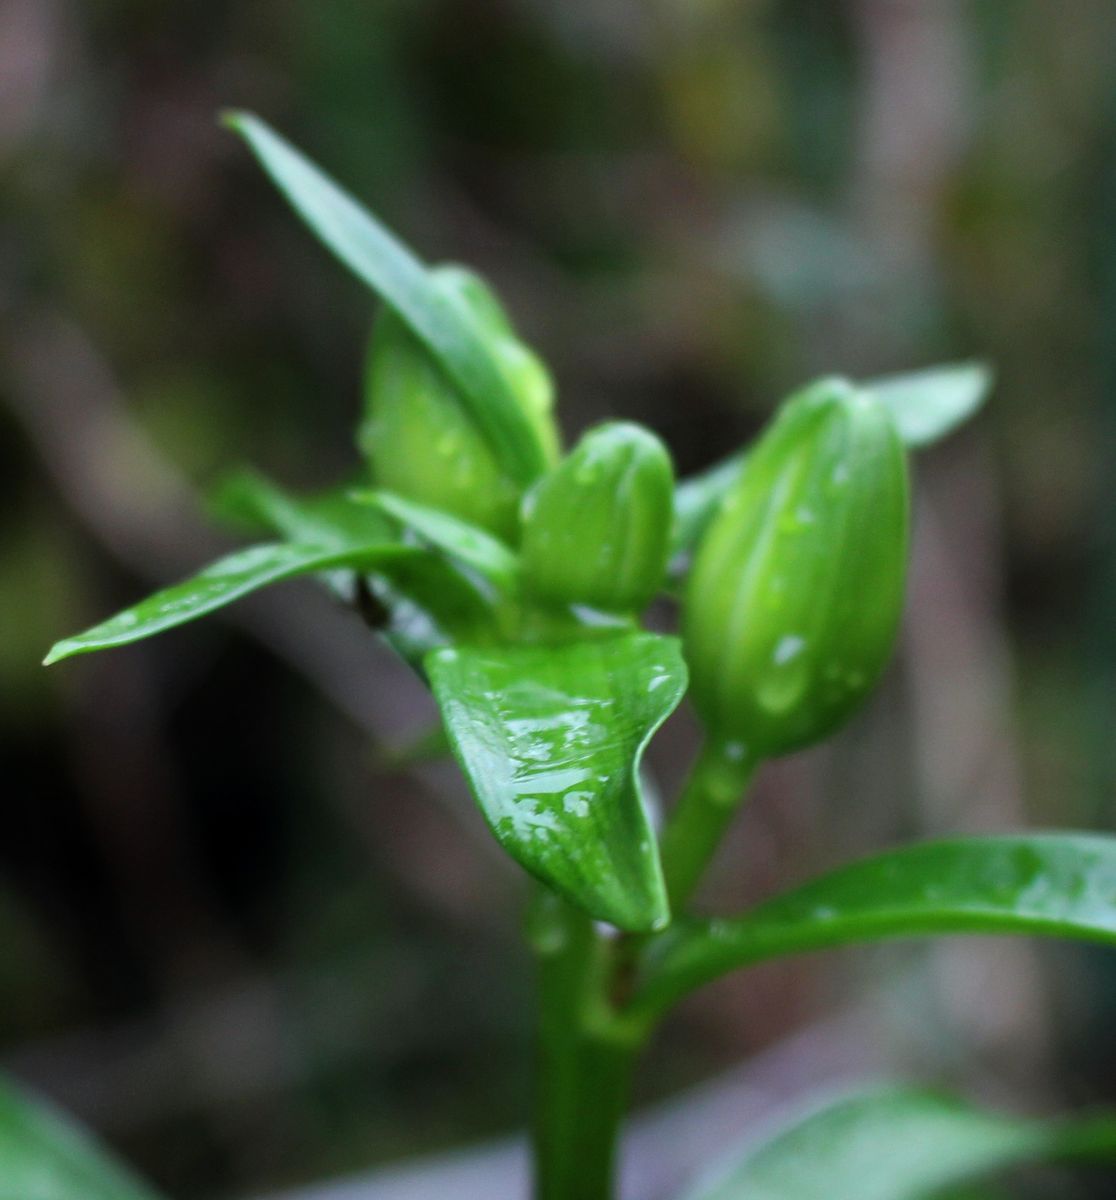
596,529
794,598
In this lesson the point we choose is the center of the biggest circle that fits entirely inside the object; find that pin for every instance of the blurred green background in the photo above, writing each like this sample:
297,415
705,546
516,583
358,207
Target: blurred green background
238,937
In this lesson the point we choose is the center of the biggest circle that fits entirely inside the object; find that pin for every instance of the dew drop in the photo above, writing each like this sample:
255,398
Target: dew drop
576,804
736,751
788,648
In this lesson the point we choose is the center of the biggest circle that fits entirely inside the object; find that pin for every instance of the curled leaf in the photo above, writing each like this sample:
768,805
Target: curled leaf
550,738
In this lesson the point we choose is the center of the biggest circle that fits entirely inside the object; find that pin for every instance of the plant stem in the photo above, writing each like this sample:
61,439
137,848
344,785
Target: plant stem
710,799
585,1058
586,1047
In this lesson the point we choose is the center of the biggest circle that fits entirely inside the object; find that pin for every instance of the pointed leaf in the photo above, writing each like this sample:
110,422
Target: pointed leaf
1053,884
550,738
221,583
377,257
896,1144
460,593
459,539
927,405
45,1157
696,499
430,602
246,499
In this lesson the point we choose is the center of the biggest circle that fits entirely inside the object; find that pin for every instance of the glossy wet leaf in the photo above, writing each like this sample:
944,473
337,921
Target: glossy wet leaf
429,601
228,579
459,539
896,1144
434,315
1053,884
928,405
43,1156
550,738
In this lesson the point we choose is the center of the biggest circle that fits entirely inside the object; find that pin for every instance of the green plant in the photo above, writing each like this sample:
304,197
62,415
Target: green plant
513,580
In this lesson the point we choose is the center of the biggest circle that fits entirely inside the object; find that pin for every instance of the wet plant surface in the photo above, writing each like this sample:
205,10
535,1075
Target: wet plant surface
513,580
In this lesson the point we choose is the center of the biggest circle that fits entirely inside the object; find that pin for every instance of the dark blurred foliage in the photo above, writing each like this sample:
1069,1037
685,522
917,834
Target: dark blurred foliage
236,938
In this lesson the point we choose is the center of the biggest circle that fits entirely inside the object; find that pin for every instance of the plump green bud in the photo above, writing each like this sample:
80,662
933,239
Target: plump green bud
418,437
794,598
596,529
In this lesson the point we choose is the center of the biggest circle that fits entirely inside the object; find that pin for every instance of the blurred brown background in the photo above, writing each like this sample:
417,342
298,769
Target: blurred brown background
238,939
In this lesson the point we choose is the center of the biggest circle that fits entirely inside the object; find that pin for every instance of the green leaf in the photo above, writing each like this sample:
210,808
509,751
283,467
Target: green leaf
1054,884
221,583
434,600
43,1156
245,499
439,320
459,539
896,1144
550,738
432,603
927,405
429,601
696,500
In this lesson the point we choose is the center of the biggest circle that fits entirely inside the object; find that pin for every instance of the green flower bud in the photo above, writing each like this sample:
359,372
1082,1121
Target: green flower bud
596,529
793,602
417,435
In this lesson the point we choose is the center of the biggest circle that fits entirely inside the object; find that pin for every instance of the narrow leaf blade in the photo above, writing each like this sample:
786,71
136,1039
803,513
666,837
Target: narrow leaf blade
894,1144
459,539
1053,884
927,405
228,579
330,518
43,1156
550,738
377,257
429,601
696,500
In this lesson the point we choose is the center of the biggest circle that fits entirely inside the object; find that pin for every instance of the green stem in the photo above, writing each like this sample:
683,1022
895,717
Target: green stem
585,1058
710,799
586,1046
